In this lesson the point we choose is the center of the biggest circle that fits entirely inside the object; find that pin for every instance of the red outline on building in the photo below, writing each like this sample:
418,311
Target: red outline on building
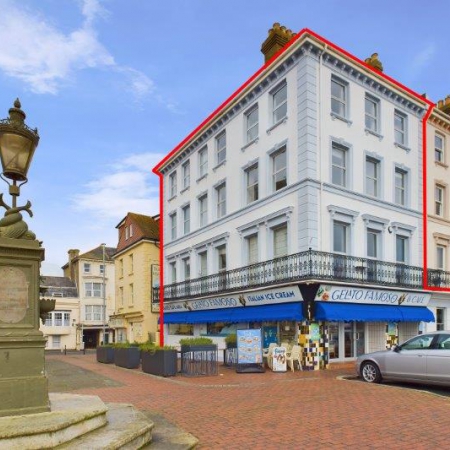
239,90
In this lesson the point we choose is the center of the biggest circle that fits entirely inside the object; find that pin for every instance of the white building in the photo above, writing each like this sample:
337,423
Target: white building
60,325
303,189
93,272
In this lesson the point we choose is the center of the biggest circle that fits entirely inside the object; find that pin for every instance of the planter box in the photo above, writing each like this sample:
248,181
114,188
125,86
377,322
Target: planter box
199,360
105,355
129,358
161,362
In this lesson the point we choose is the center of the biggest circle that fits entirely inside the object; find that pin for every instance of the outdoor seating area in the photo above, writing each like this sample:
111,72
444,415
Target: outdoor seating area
291,357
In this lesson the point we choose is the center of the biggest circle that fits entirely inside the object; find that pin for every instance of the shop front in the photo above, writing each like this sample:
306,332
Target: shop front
356,320
277,311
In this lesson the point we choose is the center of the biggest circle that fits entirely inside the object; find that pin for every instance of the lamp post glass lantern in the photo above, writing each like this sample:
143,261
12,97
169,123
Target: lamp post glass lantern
17,145
23,384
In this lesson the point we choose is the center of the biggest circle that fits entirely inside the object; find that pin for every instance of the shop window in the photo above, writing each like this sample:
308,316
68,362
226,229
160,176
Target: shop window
220,328
183,329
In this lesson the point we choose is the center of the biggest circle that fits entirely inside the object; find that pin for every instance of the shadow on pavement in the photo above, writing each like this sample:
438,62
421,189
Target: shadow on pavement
64,377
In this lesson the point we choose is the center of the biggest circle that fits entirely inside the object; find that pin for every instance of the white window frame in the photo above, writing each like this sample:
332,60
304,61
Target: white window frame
221,147
93,313
407,242
221,204
173,225
200,255
203,162
376,179
280,90
251,187
439,200
173,184
186,172
342,101
86,267
203,209
186,218
368,116
403,132
186,262
173,271
131,289
102,269
404,188
251,130
91,288
218,249
131,229
439,150
441,259
273,155
346,168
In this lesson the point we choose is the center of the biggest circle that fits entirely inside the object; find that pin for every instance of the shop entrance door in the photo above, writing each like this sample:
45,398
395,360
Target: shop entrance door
346,340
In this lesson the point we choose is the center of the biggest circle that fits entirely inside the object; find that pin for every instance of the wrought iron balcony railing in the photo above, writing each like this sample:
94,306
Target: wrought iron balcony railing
308,265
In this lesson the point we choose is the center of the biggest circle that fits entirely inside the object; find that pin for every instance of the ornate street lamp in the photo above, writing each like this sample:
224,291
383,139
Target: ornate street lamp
17,145
23,384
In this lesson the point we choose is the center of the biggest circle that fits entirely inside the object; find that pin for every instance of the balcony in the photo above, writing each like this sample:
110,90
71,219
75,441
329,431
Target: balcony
310,265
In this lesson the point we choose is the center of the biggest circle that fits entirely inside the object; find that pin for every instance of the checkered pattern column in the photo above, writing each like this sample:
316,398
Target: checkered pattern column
314,352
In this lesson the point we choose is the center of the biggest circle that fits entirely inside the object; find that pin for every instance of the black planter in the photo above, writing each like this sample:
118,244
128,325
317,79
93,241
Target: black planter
199,360
129,357
161,362
105,355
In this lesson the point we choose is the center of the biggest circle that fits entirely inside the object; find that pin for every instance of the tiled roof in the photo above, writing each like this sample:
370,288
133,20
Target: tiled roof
148,225
97,254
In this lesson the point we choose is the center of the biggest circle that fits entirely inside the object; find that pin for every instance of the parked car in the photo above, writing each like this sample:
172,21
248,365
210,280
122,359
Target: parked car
422,359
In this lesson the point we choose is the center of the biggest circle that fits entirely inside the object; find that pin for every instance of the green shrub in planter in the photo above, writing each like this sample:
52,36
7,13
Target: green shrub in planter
127,355
105,354
197,344
160,361
231,340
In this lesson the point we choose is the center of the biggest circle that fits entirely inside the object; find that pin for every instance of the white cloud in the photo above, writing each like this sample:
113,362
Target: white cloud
45,59
129,186
423,58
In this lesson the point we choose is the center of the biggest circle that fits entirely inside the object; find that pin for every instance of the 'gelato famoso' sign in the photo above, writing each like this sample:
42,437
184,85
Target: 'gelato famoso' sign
264,297
371,296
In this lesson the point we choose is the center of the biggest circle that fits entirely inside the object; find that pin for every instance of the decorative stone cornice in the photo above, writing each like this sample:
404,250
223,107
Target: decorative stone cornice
371,83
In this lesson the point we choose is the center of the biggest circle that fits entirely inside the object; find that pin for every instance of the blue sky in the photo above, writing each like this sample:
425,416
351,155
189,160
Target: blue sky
114,85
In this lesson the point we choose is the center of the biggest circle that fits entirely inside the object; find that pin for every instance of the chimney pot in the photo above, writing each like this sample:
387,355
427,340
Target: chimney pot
278,37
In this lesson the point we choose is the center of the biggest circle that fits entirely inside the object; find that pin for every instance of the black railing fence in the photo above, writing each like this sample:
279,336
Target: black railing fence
310,264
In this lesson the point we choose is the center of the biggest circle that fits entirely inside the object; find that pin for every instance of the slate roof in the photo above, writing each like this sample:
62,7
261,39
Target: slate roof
61,286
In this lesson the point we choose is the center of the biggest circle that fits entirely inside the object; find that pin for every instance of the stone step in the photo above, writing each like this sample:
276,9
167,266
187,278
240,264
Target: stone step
70,416
126,428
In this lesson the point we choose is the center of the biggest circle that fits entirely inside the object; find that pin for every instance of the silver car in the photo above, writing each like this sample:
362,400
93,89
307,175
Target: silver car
422,359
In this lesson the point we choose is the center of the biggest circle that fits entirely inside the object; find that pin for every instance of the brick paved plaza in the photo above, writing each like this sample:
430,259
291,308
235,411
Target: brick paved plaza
313,410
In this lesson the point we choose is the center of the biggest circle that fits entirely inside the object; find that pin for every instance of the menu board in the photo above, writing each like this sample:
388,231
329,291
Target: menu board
249,346
279,359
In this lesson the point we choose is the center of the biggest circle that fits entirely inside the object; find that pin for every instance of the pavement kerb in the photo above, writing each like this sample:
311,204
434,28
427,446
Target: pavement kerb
392,386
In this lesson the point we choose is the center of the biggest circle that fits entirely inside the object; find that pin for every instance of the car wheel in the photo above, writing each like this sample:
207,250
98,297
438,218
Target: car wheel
370,372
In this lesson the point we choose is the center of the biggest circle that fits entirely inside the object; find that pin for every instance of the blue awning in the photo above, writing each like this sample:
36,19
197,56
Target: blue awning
347,312
281,311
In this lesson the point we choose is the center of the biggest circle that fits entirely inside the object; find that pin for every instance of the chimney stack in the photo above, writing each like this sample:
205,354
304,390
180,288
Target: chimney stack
278,37
444,105
374,62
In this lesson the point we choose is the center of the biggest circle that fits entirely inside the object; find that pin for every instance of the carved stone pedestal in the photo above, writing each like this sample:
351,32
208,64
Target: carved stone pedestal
23,384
